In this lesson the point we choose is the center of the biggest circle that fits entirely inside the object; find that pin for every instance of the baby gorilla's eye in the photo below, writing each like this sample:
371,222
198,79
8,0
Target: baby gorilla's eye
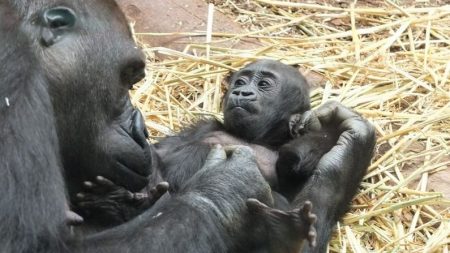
263,84
239,83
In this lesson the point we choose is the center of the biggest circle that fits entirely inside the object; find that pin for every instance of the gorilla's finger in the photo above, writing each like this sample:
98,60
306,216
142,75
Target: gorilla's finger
229,149
138,129
162,187
255,205
88,185
137,196
243,152
104,182
73,219
309,122
332,112
215,156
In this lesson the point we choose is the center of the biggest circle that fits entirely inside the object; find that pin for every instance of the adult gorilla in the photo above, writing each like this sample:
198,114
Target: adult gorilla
90,61
66,70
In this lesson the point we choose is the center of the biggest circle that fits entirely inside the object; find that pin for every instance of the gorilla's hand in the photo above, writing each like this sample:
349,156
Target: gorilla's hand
110,204
299,124
340,171
128,155
349,158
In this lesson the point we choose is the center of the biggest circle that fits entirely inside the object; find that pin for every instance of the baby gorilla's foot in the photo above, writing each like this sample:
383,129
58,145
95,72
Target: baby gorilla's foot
287,229
111,204
73,219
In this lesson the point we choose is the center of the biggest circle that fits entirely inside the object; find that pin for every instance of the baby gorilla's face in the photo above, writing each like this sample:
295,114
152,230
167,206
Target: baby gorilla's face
261,96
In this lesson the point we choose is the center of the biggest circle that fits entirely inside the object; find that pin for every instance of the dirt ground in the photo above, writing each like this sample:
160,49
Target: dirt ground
175,16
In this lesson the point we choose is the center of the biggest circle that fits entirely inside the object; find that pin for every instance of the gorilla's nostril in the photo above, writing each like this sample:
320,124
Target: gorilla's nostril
133,72
247,93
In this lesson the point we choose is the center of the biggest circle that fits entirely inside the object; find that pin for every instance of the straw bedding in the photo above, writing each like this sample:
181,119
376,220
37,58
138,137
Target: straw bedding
391,64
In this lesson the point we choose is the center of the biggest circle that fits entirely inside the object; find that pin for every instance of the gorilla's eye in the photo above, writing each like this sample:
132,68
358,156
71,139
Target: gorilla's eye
239,83
263,84
59,17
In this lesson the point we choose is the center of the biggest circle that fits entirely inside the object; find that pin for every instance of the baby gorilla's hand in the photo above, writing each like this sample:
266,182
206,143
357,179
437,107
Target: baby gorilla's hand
300,124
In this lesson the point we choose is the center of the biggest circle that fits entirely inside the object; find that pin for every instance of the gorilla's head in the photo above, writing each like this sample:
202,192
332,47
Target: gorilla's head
261,98
91,61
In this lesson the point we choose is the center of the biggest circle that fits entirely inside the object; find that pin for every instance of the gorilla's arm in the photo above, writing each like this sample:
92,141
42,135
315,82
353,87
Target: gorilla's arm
175,159
184,154
339,172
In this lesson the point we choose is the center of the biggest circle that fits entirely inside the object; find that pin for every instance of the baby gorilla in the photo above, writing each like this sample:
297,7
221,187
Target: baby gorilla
318,156
262,109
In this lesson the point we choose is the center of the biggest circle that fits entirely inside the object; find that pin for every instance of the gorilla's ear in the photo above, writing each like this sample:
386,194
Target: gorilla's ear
55,23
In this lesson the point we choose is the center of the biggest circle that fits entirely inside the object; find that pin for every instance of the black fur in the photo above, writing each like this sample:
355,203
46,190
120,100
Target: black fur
32,217
90,60
40,80
260,115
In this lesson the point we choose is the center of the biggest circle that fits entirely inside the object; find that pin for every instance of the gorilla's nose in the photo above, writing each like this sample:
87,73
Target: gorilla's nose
244,94
133,71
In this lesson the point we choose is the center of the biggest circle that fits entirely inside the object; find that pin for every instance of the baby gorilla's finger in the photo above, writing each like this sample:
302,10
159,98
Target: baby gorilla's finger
95,188
73,219
309,220
88,185
104,182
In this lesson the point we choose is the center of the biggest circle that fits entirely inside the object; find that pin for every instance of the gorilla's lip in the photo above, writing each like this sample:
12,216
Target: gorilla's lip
243,108
238,107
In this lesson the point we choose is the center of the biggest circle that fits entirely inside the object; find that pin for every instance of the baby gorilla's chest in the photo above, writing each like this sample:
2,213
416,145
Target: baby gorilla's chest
265,158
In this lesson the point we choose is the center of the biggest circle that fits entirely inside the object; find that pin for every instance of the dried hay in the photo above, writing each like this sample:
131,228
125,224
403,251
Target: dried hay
390,64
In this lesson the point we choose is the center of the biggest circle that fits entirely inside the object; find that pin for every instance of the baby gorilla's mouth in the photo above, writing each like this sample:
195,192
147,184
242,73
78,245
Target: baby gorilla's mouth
245,106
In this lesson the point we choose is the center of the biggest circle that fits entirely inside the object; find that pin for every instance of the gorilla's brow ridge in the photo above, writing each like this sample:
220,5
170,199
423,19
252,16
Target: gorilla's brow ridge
256,72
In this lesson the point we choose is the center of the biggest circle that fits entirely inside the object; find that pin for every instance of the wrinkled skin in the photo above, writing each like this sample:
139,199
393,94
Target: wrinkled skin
90,61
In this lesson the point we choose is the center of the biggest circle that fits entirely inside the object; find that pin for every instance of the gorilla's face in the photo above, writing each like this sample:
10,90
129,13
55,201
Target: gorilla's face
261,98
91,61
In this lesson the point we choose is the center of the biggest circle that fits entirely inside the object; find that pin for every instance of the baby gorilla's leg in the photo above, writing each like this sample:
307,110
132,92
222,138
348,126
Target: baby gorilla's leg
287,229
111,204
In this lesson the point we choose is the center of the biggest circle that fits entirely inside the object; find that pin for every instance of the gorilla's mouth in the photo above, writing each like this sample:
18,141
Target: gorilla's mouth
242,106
124,152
